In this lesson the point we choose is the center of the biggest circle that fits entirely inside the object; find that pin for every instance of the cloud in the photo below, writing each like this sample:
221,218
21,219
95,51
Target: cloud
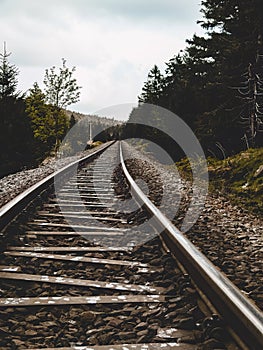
113,43
134,10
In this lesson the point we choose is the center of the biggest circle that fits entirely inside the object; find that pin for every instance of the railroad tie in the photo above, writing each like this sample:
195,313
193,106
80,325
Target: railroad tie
75,258
82,300
81,282
145,346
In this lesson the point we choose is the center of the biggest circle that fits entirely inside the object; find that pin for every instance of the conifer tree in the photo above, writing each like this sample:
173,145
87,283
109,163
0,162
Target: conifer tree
8,76
42,121
200,84
15,133
152,88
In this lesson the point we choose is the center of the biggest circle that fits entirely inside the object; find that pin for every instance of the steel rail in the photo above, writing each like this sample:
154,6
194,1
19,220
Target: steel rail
239,312
10,210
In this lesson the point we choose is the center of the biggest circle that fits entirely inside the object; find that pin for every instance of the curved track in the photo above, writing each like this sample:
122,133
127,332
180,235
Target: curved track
74,275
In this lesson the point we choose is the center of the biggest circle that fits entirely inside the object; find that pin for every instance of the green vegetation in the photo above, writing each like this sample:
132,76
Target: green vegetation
216,84
16,136
33,125
239,177
61,90
49,124
8,76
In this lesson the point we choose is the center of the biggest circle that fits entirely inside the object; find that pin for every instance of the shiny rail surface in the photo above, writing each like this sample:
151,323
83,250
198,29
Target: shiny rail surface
10,210
240,313
237,311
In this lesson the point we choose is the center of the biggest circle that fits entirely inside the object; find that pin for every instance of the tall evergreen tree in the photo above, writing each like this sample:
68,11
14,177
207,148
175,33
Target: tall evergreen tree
42,121
200,83
233,30
8,76
152,89
15,132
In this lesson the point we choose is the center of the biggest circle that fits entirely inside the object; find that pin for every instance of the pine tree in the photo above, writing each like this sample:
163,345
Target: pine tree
234,29
152,89
8,76
15,133
42,121
199,84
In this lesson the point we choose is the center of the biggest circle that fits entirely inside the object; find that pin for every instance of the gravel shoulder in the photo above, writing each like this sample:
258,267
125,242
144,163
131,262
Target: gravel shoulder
14,184
228,235
174,316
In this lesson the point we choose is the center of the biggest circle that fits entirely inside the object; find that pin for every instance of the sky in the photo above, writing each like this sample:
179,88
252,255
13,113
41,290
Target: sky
112,43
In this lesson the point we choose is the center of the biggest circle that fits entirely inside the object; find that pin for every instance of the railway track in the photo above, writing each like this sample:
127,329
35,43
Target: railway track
74,273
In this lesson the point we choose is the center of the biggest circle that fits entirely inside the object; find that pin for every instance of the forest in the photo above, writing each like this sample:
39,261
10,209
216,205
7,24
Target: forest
215,84
33,124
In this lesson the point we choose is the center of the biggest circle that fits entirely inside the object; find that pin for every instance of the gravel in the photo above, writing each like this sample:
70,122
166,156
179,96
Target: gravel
179,319
227,234
99,324
13,184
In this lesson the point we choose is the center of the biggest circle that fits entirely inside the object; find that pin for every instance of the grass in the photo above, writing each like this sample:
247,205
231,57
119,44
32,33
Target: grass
239,177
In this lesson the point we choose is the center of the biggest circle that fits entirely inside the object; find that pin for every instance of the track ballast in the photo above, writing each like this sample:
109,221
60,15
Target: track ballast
75,276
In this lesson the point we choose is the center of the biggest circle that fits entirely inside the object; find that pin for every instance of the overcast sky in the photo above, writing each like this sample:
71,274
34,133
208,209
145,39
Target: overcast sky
112,43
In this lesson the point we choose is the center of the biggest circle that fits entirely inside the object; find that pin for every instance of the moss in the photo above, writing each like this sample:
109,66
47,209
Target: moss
96,143
239,177
184,168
